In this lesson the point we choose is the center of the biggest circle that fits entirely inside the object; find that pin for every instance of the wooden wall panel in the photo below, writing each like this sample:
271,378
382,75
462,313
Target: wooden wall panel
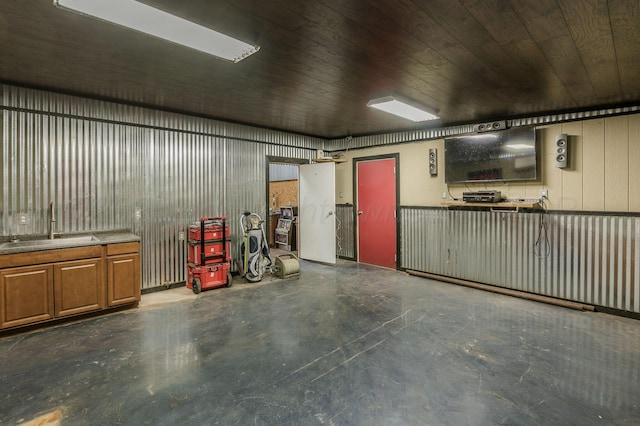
616,163
516,190
572,185
551,175
532,190
604,164
418,185
593,164
634,163
283,193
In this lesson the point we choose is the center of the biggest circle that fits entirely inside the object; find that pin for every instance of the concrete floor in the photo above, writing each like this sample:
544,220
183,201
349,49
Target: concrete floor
345,345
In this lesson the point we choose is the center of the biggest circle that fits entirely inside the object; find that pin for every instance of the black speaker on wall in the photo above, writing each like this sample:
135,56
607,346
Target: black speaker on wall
433,161
562,151
489,127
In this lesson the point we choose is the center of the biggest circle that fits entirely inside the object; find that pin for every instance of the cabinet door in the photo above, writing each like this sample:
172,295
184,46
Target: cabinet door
26,295
124,279
78,287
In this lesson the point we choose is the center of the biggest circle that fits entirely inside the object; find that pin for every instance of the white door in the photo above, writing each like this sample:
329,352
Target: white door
316,212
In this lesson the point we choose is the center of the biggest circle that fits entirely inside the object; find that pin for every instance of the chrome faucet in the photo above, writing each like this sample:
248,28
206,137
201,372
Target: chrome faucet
52,220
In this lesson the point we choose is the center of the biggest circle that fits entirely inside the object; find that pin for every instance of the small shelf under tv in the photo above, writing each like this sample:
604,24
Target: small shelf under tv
503,205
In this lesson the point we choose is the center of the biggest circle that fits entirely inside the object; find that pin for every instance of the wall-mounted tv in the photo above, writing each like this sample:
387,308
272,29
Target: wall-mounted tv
507,155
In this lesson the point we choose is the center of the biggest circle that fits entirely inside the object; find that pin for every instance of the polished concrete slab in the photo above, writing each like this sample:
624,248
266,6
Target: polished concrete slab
345,345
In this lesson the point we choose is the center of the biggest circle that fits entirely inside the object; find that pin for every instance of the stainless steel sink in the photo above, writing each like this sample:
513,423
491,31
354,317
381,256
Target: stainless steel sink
73,240
57,242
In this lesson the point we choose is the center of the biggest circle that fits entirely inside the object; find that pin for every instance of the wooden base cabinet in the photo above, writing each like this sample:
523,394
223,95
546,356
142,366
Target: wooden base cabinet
45,285
123,273
26,295
78,287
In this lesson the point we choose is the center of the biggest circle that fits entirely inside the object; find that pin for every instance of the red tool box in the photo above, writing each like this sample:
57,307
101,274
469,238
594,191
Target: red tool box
213,229
207,277
209,259
211,248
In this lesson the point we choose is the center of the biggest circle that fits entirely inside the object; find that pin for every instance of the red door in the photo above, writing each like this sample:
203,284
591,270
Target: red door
376,211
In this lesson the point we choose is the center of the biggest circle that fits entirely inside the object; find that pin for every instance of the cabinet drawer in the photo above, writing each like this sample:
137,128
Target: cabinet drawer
49,256
122,248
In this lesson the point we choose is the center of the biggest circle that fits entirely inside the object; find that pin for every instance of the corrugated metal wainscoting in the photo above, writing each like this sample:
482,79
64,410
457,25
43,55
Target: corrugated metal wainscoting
345,233
113,166
587,258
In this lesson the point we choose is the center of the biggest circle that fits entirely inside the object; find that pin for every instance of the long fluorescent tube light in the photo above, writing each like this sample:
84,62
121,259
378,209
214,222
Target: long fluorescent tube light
155,22
401,109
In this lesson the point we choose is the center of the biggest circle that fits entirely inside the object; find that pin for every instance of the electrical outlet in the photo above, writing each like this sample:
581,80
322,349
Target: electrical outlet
444,195
181,236
23,218
544,193
138,214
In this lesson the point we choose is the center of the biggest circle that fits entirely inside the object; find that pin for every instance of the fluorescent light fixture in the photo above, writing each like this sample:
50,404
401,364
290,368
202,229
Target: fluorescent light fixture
401,109
140,17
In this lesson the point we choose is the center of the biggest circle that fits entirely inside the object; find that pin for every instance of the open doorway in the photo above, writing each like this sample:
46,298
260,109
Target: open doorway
311,231
282,199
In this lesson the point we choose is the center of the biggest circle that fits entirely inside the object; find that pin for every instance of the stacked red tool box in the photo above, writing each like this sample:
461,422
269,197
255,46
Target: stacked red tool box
209,259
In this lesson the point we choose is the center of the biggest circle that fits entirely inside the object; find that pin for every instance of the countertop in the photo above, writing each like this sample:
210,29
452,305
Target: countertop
31,243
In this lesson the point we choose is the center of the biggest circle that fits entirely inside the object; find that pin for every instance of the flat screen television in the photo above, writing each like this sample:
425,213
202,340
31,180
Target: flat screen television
507,155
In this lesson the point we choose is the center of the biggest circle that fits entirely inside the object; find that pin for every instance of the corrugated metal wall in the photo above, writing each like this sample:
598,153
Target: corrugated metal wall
345,231
279,172
111,166
593,259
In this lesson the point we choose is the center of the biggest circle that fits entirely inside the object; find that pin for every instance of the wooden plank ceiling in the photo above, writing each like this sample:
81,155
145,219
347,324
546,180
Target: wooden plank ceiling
322,60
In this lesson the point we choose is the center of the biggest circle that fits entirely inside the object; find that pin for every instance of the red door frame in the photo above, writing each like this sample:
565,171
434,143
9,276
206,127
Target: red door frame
396,157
